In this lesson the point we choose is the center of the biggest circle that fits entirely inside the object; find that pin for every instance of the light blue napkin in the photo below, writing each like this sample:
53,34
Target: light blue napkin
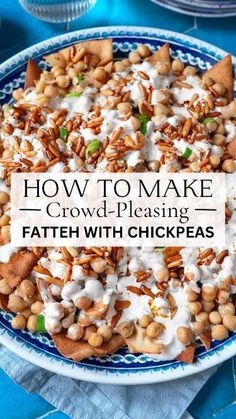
79,399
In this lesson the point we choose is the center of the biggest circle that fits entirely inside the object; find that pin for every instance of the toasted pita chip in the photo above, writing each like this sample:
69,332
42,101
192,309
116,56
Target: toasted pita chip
80,350
222,72
187,355
33,72
140,342
205,338
102,48
4,302
231,148
110,347
18,267
161,55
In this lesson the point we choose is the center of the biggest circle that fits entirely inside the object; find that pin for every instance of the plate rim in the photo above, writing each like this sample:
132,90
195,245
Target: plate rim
227,349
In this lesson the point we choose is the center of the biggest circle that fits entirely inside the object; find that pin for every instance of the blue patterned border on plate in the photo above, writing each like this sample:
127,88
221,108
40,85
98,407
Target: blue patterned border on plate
128,368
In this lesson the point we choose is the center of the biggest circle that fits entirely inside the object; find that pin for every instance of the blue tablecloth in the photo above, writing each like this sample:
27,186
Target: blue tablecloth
18,30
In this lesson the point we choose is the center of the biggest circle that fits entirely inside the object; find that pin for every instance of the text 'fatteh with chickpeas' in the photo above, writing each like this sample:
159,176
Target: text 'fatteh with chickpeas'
89,113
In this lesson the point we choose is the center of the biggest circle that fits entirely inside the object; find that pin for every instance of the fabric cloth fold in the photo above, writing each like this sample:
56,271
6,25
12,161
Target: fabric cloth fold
79,399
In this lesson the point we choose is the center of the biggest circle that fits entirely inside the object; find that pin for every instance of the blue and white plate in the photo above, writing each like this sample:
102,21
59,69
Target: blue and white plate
122,367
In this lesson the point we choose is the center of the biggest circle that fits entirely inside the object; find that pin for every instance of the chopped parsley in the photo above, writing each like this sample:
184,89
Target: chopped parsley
92,147
144,121
63,133
187,153
74,94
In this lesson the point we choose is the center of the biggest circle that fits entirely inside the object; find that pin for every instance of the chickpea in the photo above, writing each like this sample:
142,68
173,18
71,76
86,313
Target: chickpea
163,68
192,295
84,321
126,329
219,139
154,329
203,317
51,91
6,233
215,317
37,307
26,313
184,334
209,292
106,332
5,287
211,126
83,303
88,330
219,89
189,71
58,71
15,304
161,109
143,51
195,167
229,321
198,327
228,166
4,198
32,323
99,74
119,66
195,307
162,275
75,332
4,220
208,306
229,111
134,57
220,129
26,289
214,160
226,308
98,265
17,94
219,332
223,297
63,81
124,108
178,66
95,340
134,122
145,320
80,66
18,322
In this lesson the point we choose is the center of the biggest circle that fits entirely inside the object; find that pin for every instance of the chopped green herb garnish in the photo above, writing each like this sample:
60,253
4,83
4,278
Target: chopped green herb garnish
40,323
80,78
92,147
144,120
74,94
63,133
187,153
160,247
207,120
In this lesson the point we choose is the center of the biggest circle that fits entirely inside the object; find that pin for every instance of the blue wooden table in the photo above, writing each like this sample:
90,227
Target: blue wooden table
18,31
